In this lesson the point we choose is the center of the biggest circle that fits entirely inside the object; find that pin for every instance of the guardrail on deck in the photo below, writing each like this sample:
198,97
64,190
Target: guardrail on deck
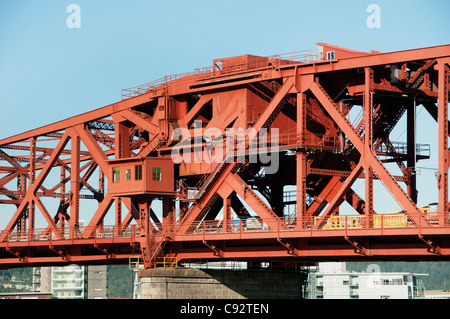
244,225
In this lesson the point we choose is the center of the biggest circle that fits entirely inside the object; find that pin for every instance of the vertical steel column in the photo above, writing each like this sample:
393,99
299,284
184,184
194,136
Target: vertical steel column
144,229
162,111
22,225
101,181
443,142
31,206
226,214
118,223
122,150
301,159
168,215
368,110
122,140
411,146
75,183
61,216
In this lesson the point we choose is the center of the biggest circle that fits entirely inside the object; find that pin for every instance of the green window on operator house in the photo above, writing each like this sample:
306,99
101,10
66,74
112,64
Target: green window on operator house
116,174
156,174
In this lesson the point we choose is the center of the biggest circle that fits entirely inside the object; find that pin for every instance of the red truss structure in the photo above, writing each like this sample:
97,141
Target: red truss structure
251,158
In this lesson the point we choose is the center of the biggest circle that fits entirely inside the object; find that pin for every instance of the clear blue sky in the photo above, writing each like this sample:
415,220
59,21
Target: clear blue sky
49,72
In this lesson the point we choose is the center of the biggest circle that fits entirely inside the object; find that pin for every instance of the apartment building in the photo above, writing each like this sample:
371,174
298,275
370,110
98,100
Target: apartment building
337,283
71,282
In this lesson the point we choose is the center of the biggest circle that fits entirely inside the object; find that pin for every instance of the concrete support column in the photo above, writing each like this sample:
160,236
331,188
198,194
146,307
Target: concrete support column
188,283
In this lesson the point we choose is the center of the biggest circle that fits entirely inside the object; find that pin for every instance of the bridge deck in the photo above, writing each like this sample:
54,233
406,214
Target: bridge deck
344,236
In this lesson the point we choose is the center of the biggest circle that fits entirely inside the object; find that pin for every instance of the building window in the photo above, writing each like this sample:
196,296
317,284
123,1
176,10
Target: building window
128,174
115,174
385,282
330,55
138,172
397,281
156,174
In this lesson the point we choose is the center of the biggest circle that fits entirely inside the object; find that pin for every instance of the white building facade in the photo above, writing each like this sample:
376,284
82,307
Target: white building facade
68,282
371,285
71,282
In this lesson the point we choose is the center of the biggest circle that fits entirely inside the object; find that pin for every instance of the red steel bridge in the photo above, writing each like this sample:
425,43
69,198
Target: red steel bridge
250,158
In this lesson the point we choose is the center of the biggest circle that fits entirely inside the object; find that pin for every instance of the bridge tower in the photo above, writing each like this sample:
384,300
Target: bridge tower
199,165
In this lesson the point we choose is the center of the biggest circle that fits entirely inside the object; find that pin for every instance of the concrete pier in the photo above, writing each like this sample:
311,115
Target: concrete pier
188,283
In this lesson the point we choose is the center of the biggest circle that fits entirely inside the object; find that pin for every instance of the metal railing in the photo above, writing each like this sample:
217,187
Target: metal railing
357,221
272,61
401,220
71,233
146,87
165,262
402,149
304,56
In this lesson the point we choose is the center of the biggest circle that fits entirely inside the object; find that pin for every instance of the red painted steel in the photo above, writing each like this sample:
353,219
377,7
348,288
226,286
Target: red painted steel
203,164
